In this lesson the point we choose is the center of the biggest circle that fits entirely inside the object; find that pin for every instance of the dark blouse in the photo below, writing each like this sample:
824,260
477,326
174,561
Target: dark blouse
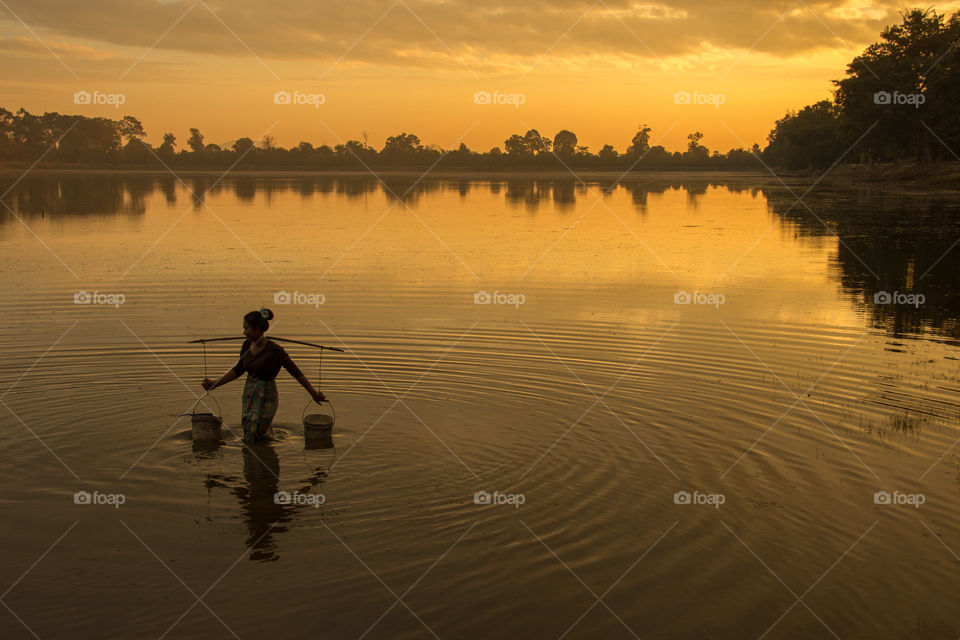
266,364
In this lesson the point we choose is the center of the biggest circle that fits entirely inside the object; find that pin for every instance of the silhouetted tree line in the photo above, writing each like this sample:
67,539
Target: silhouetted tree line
74,139
899,101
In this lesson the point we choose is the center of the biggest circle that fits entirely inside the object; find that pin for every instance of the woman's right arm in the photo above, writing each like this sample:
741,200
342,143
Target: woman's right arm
233,374
224,379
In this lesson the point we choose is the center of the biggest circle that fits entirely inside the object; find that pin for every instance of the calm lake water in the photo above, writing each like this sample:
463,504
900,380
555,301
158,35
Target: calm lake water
694,412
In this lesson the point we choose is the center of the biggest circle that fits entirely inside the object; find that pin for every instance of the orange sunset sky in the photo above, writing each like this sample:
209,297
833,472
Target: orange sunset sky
385,66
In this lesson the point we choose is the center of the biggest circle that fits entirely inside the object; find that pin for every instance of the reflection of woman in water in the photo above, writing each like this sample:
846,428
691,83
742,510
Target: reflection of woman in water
261,469
261,359
263,513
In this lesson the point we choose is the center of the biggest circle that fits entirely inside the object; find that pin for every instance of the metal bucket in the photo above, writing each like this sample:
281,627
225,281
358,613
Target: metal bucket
315,439
317,422
205,426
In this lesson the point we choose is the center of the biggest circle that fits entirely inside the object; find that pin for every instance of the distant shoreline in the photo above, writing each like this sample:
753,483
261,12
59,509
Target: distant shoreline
592,174
444,173
944,175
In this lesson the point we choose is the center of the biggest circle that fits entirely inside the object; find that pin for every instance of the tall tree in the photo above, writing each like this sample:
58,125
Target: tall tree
195,141
535,143
402,144
608,153
810,138
516,147
640,144
169,142
885,91
130,128
565,143
696,152
242,145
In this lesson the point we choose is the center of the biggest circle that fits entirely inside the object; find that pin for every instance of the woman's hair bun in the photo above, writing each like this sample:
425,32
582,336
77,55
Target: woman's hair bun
266,313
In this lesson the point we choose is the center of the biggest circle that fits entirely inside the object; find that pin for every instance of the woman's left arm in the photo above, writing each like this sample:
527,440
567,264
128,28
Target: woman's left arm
316,395
294,371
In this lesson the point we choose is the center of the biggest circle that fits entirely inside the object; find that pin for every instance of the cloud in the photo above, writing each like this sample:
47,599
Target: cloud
453,34
24,46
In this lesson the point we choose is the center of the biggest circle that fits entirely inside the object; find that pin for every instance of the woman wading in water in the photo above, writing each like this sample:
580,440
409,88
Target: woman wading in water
261,359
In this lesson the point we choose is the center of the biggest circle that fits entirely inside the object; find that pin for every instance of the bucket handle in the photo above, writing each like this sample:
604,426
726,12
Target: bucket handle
193,409
303,414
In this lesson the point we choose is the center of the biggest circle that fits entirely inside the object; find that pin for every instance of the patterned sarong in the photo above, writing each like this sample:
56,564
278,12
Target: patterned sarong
259,407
